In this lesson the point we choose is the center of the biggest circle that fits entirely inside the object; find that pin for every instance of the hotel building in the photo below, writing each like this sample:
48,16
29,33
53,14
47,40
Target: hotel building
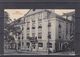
44,30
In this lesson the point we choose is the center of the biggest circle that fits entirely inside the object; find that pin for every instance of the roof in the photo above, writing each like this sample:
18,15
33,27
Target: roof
70,13
17,22
34,11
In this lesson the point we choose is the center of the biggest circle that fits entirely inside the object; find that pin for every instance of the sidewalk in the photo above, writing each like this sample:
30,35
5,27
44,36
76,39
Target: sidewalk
64,53
14,52
9,51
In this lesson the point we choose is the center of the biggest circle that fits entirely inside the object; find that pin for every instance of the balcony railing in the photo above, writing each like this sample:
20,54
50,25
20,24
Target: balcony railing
32,39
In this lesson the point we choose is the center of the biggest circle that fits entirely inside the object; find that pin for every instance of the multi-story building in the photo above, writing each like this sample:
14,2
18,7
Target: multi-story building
15,31
45,31
18,35
71,16
7,21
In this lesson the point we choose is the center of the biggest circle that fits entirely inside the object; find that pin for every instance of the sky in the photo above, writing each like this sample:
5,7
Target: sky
17,13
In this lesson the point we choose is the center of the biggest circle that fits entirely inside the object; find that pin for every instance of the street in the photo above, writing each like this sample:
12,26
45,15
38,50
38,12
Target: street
14,52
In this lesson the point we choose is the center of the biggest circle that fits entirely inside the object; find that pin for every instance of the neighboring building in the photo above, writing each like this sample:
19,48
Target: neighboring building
17,32
45,31
7,21
71,16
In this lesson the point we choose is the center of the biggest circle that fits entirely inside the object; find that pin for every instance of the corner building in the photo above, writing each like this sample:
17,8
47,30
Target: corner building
44,31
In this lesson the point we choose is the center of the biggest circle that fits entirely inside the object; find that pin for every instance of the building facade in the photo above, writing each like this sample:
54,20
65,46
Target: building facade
71,16
45,31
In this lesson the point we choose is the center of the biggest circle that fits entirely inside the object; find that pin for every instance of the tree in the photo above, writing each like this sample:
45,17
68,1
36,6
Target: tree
7,21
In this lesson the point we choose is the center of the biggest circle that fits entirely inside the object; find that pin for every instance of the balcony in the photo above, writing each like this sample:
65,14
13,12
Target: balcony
32,39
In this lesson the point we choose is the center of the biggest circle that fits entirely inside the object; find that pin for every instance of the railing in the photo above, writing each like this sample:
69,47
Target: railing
32,39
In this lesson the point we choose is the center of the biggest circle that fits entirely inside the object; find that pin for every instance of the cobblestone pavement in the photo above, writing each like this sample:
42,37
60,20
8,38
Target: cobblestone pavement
14,52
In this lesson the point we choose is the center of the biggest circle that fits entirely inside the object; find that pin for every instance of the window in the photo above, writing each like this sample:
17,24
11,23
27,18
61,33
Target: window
39,22
59,37
49,35
33,21
22,43
39,26
59,26
40,16
40,34
45,15
28,31
34,47
19,20
33,34
27,34
39,19
49,15
49,24
28,28
19,33
39,37
22,37
22,27
28,37
50,45
18,37
28,44
40,44
69,17
33,27
67,28
39,30
28,23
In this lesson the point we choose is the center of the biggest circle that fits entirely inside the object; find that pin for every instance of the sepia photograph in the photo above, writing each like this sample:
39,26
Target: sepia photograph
39,31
